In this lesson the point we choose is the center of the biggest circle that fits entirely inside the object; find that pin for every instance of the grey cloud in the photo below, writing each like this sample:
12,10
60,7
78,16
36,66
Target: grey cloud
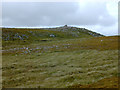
57,13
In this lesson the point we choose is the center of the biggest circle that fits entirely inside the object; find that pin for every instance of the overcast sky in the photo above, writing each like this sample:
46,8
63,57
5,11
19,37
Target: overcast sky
100,17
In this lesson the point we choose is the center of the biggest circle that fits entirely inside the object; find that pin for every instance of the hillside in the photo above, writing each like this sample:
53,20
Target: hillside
57,58
11,34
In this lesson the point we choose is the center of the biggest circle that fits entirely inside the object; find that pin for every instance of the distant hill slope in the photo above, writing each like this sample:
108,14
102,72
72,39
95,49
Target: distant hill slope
75,31
10,34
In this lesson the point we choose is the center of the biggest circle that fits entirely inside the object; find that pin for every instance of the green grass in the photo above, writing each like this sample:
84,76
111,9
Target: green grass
37,35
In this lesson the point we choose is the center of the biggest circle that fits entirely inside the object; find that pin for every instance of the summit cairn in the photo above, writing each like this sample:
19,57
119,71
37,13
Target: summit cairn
65,26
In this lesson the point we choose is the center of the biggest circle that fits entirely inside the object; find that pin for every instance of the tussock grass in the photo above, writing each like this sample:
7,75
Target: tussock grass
59,69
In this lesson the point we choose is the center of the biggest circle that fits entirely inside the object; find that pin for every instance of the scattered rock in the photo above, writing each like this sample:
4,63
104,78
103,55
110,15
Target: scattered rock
52,35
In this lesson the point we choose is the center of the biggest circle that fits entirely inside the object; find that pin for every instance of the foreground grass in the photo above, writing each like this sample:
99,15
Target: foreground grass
59,69
111,82
73,62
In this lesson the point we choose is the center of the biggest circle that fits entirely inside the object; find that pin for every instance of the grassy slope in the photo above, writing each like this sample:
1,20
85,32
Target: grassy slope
32,35
68,62
36,35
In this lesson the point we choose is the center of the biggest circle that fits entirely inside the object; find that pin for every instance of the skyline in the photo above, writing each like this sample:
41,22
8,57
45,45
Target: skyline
99,17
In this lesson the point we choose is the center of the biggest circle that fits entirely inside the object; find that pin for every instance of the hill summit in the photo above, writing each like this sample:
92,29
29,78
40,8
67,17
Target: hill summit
74,30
